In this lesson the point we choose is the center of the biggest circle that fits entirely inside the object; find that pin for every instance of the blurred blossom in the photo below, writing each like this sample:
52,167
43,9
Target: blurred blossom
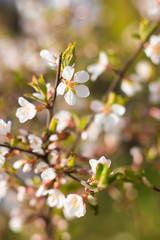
64,118
154,89
148,8
97,69
152,49
102,160
131,85
92,132
55,198
144,69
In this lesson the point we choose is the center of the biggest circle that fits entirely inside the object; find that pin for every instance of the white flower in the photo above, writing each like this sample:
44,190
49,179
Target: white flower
144,69
49,174
15,223
35,143
74,206
3,152
41,167
70,85
27,167
55,198
64,117
100,67
26,111
131,86
51,59
152,50
92,132
18,164
154,89
21,195
108,116
102,160
53,138
41,190
5,128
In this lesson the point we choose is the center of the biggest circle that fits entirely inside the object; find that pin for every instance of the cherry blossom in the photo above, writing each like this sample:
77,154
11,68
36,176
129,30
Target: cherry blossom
55,198
144,69
48,174
26,111
5,128
64,118
98,68
70,85
35,143
108,116
130,86
51,59
102,160
152,49
74,206
154,89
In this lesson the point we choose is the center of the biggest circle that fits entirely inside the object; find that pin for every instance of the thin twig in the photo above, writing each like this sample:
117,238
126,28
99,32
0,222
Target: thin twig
23,150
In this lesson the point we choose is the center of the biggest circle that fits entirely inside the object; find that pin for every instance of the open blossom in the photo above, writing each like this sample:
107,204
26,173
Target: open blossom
98,68
64,118
51,59
71,86
154,89
35,143
48,174
55,198
74,206
26,111
130,86
41,167
108,116
5,128
144,69
152,49
102,160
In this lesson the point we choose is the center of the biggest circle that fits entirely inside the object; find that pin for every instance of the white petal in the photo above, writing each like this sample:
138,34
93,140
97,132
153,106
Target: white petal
82,91
93,163
110,121
118,109
103,160
99,118
103,59
61,88
96,106
70,97
38,95
81,77
22,102
46,55
91,68
68,73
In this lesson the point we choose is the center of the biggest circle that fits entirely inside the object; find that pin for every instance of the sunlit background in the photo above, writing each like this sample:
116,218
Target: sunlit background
27,27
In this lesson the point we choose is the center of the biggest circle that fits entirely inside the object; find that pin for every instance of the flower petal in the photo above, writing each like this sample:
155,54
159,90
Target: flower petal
118,109
81,77
103,59
96,106
61,88
68,73
82,91
70,97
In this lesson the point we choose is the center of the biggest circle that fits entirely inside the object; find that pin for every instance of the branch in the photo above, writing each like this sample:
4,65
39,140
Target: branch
23,150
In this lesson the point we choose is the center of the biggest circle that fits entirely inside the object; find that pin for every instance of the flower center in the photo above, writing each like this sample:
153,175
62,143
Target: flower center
74,202
70,84
156,49
106,109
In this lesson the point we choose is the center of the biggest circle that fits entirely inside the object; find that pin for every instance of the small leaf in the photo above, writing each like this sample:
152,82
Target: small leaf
69,57
28,95
53,125
114,177
15,141
102,174
136,36
71,161
42,87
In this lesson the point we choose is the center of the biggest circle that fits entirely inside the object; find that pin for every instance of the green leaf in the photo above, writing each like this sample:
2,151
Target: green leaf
69,57
102,174
15,141
53,125
83,123
28,95
136,36
71,161
143,29
42,87
76,119
114,177
131,176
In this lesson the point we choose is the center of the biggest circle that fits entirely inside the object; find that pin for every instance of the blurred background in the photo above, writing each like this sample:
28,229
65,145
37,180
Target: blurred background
126,212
